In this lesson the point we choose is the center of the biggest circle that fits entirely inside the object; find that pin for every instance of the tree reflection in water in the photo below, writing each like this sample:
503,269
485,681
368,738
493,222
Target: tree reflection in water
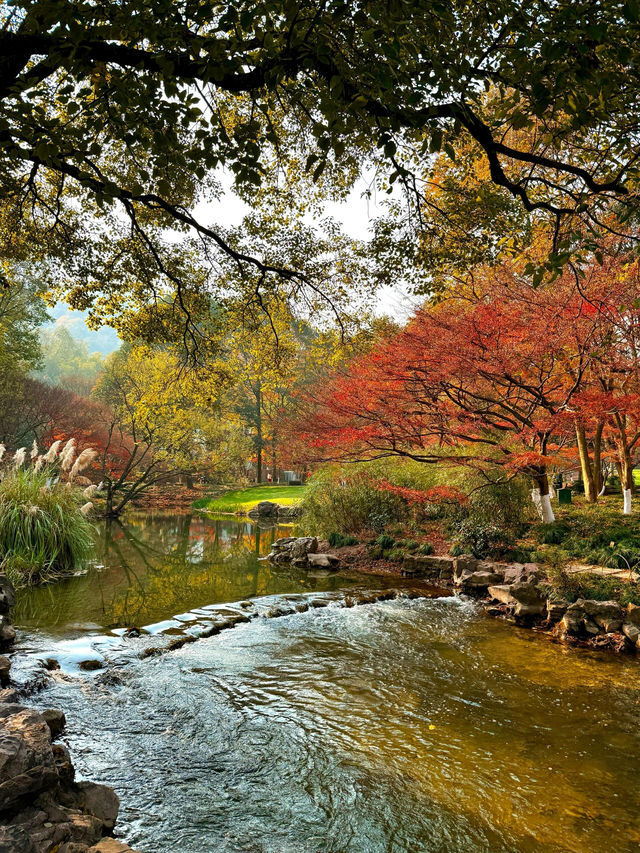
156,565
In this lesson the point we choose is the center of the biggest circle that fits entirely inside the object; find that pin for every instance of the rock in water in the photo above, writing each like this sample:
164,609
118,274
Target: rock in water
323,561
607,615
41,807
56,721
303,546
265,509
479,581
525,599
101,801
7,632
109,845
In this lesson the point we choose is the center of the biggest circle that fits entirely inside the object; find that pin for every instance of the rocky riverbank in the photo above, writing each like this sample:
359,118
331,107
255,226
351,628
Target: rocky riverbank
42,808
521,593
516,592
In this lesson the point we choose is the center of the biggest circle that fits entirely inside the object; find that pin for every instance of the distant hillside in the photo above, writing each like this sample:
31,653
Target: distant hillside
103,341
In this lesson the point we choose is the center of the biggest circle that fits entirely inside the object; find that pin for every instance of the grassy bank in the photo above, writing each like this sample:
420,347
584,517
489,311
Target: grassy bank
242,500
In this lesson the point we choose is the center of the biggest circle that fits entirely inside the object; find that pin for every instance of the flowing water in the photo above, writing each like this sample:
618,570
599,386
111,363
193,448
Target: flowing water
403,725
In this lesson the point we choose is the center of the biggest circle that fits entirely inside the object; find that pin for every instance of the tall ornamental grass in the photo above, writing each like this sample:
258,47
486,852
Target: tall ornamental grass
44,528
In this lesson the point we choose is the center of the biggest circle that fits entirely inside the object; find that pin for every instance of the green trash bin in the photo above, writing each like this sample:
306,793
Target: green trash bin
564,496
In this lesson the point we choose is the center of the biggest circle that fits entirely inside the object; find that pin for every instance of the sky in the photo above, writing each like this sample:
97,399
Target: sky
355,215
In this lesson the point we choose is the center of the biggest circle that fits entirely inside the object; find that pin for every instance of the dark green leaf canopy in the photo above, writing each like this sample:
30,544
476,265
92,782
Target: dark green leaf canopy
134,105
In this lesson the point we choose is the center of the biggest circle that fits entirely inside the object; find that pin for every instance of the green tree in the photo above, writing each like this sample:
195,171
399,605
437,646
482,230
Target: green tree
131,108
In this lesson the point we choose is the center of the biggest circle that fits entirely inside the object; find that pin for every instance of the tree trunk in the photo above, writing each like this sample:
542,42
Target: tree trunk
258,433
541,498
597,459
626,481
590,492
108,509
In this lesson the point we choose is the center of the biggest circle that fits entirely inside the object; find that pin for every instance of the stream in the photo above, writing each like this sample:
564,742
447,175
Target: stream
402,725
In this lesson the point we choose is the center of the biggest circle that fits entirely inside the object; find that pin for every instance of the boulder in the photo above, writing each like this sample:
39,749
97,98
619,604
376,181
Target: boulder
7,632
592,617
632,633
293,549
9,695
502,592
465,564
590,627
522,573
323,561
428,566
303,546
572,621
27,764
110,845
264,509
479,581
289,511
101,801
66,770
56,721
283,543
41,808
5,666
633,614
607,615
13,839
91,664
524,598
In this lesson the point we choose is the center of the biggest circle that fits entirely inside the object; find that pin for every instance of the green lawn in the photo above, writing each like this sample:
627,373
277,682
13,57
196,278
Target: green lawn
242,500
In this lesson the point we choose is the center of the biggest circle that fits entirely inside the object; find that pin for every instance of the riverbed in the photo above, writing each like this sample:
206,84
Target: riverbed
403,725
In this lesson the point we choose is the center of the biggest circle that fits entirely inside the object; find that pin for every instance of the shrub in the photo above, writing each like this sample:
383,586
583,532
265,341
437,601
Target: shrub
426,548
552,534
507,505
396,555
410,545
519,554
595,535
337,540
385,541
42,530
482,539
346,501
